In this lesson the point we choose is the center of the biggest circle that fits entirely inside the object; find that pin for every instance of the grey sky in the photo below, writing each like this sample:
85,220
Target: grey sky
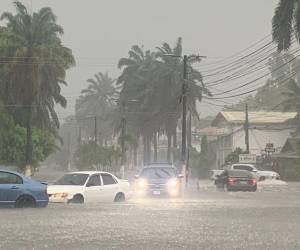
102,31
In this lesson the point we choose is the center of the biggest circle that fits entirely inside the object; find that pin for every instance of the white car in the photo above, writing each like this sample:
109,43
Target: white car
89,186
260,174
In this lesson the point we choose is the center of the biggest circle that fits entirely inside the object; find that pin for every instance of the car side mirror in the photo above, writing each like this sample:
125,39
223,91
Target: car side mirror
217,175
180,176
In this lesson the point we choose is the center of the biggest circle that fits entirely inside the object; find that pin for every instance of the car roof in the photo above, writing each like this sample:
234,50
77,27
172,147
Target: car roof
159,166
10,171
88,172
244,164
239,171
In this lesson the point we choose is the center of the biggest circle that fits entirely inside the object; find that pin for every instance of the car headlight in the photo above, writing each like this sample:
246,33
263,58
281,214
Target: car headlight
142,183
173,183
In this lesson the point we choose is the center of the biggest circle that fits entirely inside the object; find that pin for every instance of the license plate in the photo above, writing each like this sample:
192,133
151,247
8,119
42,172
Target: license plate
243,182
156,192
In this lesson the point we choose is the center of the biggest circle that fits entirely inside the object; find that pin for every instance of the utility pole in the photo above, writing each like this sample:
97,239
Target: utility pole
123,132
79,137
184,101
189,143
69,151
95,130
247,130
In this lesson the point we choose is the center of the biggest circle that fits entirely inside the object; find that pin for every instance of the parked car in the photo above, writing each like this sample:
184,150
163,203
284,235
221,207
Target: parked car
17,190
236,180
158,180
243,166
89,186
260,174
214,173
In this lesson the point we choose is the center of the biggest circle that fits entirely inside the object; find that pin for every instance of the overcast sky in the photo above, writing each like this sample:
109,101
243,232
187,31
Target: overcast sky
101,31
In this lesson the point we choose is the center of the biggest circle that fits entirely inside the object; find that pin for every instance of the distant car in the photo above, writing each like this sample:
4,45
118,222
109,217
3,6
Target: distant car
214,173
19,191
89,186
158,180
268,175
259,174
243,166
236,180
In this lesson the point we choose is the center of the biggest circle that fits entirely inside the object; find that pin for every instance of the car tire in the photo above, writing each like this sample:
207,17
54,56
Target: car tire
25,201
225,188
77,199
120,197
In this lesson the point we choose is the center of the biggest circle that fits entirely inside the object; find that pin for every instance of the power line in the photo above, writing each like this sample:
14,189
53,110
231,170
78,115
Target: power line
259,78
245,93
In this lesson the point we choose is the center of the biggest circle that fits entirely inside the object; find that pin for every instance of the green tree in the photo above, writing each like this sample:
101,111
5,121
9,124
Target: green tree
36,64
286,23
13,141
98,99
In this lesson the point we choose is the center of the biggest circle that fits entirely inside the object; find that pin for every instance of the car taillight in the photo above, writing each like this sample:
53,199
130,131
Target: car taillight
253,181
231,179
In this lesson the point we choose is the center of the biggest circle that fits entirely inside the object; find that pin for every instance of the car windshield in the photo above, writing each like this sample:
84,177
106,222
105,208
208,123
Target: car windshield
239,173
72,179
158,173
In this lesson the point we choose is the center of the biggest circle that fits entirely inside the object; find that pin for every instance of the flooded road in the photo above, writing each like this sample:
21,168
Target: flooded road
202,220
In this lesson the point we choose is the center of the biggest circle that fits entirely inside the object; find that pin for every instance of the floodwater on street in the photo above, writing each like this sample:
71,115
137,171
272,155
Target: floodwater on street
202,220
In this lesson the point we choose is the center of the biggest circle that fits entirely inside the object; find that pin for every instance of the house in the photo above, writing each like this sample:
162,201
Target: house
287,161
264,128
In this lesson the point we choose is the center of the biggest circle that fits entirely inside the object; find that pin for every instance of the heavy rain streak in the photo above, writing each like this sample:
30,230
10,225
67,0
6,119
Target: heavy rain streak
140,124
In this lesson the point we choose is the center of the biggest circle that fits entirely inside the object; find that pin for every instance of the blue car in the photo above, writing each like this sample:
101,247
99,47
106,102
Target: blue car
19,191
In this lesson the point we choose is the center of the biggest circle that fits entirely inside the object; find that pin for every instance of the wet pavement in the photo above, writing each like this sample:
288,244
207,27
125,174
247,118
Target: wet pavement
202,220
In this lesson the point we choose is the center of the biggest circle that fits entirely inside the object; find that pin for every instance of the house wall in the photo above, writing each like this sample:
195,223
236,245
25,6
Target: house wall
258,138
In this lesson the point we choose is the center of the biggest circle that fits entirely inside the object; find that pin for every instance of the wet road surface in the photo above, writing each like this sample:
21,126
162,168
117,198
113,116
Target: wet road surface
204,220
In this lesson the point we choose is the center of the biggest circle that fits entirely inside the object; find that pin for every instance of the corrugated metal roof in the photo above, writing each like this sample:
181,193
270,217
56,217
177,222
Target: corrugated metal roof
259,117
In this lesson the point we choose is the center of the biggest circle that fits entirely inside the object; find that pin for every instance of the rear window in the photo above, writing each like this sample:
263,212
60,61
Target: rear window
72,179
158,173
239,173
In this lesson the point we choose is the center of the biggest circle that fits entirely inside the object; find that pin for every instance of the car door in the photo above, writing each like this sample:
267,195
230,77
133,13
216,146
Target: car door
110,187
93,189
10,187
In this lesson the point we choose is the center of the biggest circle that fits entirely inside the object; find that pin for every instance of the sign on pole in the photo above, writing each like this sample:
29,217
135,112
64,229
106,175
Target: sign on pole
247,158
270,148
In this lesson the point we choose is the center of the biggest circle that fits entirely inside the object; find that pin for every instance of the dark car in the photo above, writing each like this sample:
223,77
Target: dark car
236,180
158,180
20,191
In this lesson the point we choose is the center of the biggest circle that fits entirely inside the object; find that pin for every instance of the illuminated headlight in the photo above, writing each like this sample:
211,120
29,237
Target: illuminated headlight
173,183
141,183
60,195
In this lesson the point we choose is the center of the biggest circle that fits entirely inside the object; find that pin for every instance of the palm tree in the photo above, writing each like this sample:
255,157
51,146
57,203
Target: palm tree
137,84
286,23
170,87
98,99
35,64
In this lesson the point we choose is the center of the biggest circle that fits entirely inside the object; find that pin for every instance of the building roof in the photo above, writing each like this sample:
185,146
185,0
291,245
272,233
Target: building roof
254,117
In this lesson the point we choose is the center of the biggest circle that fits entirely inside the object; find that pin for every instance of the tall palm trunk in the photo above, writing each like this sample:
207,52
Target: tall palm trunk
135,156
169,146
145,150
29,147
155,147
175,138
148,149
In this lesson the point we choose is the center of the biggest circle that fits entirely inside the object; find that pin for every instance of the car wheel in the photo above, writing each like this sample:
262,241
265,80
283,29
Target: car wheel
120,197
77,199
25,201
